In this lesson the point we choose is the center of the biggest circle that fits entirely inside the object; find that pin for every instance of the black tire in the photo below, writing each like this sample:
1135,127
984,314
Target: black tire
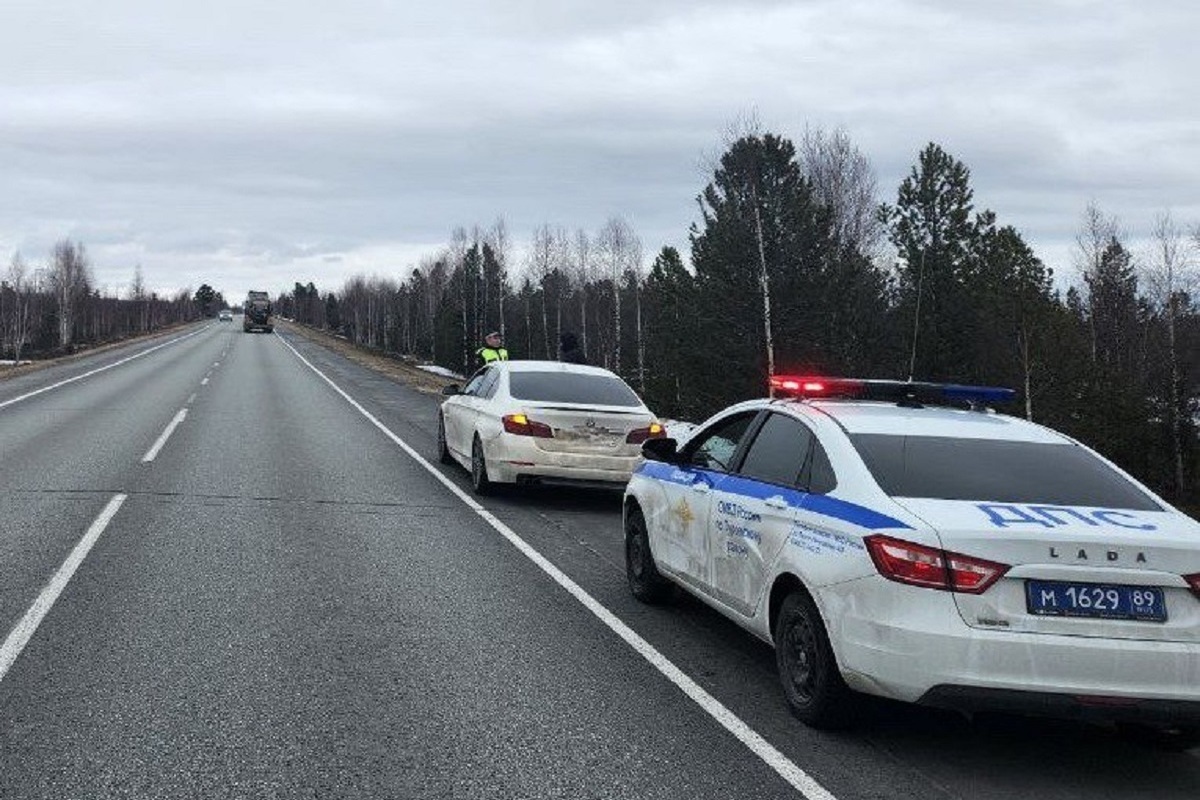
443,449
1171,740
269,329
480,482
645,581
808,670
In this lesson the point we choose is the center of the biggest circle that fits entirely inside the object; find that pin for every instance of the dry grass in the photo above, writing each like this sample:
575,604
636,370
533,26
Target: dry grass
43,363
390,366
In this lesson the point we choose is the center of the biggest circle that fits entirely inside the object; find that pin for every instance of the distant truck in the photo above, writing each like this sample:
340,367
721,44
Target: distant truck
257,313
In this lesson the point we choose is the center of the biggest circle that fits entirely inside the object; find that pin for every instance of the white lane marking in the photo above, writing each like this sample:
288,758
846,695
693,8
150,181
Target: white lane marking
191,399
785,767
102,369
204,382
166,434
216,363
23,631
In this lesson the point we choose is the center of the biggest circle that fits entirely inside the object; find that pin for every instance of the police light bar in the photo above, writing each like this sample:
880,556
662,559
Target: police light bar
810,386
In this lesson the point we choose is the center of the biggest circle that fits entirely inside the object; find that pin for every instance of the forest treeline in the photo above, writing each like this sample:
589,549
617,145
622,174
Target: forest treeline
55,308
795,266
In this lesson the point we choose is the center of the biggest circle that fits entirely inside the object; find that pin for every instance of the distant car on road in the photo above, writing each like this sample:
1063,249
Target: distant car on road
890,543
544,422
225,316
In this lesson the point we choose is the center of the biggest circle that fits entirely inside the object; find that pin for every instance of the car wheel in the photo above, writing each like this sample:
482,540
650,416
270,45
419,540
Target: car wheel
645,581
1171,740
812,684
443,449
479,475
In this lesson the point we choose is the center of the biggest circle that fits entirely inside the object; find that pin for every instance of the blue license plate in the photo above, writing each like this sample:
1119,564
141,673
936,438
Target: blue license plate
1100,600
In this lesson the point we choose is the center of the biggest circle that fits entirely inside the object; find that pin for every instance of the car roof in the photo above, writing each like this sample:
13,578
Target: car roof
882,417
553,366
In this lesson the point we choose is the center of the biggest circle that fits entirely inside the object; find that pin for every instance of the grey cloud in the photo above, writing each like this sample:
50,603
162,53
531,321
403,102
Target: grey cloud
241,141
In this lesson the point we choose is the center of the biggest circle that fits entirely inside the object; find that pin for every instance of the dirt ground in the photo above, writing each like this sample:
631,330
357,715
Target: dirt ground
389,366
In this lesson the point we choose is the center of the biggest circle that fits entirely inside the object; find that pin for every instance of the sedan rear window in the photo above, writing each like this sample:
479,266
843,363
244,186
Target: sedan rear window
571,387
945,468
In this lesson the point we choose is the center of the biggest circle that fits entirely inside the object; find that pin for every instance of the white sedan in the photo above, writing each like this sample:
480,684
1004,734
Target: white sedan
544,422
889,543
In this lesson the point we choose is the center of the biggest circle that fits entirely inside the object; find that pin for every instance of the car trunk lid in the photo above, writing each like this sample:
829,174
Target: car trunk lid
1107,555
590,429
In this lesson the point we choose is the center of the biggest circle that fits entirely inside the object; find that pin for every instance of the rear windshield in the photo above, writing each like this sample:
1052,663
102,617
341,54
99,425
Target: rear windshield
947,468
571,387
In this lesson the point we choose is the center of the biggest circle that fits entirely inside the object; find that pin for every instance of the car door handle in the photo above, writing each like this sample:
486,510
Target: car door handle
776,501
701,488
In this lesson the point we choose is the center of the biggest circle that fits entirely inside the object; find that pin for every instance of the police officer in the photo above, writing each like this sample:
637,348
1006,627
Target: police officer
493,349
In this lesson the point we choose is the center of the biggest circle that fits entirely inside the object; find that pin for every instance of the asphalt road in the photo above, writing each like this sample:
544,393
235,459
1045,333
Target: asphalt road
272,597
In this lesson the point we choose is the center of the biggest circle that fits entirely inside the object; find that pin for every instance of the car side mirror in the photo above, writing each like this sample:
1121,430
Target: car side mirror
452,389
660,450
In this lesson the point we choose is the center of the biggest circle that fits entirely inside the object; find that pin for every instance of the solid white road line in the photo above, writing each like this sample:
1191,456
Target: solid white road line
102,369
785,767
166,434
23,631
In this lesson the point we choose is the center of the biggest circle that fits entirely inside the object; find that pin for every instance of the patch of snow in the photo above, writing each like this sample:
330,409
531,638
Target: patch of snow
11,363
436,370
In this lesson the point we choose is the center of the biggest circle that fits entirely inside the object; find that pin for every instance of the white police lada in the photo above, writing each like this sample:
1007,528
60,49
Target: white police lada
902,540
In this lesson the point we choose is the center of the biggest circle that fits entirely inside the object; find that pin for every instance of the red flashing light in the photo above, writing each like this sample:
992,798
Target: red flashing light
521,425
932,567
801,386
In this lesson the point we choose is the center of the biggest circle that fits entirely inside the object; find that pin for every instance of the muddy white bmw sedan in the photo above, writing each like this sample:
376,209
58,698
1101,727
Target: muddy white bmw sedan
544,422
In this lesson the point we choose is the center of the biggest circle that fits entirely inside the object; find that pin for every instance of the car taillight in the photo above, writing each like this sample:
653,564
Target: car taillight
931,567
522,425
653,431
1194,582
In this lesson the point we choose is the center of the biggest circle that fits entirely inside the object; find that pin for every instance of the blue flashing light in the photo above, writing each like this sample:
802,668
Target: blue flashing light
978,394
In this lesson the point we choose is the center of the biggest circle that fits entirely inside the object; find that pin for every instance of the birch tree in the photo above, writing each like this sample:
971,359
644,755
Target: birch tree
16,319
843,181
583,270
71,276
1095,236
1171,279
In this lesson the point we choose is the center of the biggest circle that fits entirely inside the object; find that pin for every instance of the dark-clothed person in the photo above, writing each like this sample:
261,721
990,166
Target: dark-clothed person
569,351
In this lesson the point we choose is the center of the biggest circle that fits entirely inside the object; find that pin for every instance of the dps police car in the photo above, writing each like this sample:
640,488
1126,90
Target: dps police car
901,539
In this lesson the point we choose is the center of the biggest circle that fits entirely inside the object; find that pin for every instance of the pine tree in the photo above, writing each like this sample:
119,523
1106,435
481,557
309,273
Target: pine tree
933,229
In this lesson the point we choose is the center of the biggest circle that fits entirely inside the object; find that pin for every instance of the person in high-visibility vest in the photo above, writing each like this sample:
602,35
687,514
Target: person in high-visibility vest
493,349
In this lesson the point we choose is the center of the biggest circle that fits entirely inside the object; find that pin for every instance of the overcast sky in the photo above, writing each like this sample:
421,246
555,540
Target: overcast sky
244,143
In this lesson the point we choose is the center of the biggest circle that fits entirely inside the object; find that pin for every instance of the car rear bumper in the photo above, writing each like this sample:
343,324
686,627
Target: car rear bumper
513,459
1150,711
911,644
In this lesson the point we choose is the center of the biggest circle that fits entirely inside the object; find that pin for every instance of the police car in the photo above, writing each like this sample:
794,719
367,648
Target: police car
903,540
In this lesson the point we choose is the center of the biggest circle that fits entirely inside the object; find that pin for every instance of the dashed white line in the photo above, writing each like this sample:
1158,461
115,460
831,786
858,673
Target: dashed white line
152,453
204,382
23,631
101,369
783,766
191,399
